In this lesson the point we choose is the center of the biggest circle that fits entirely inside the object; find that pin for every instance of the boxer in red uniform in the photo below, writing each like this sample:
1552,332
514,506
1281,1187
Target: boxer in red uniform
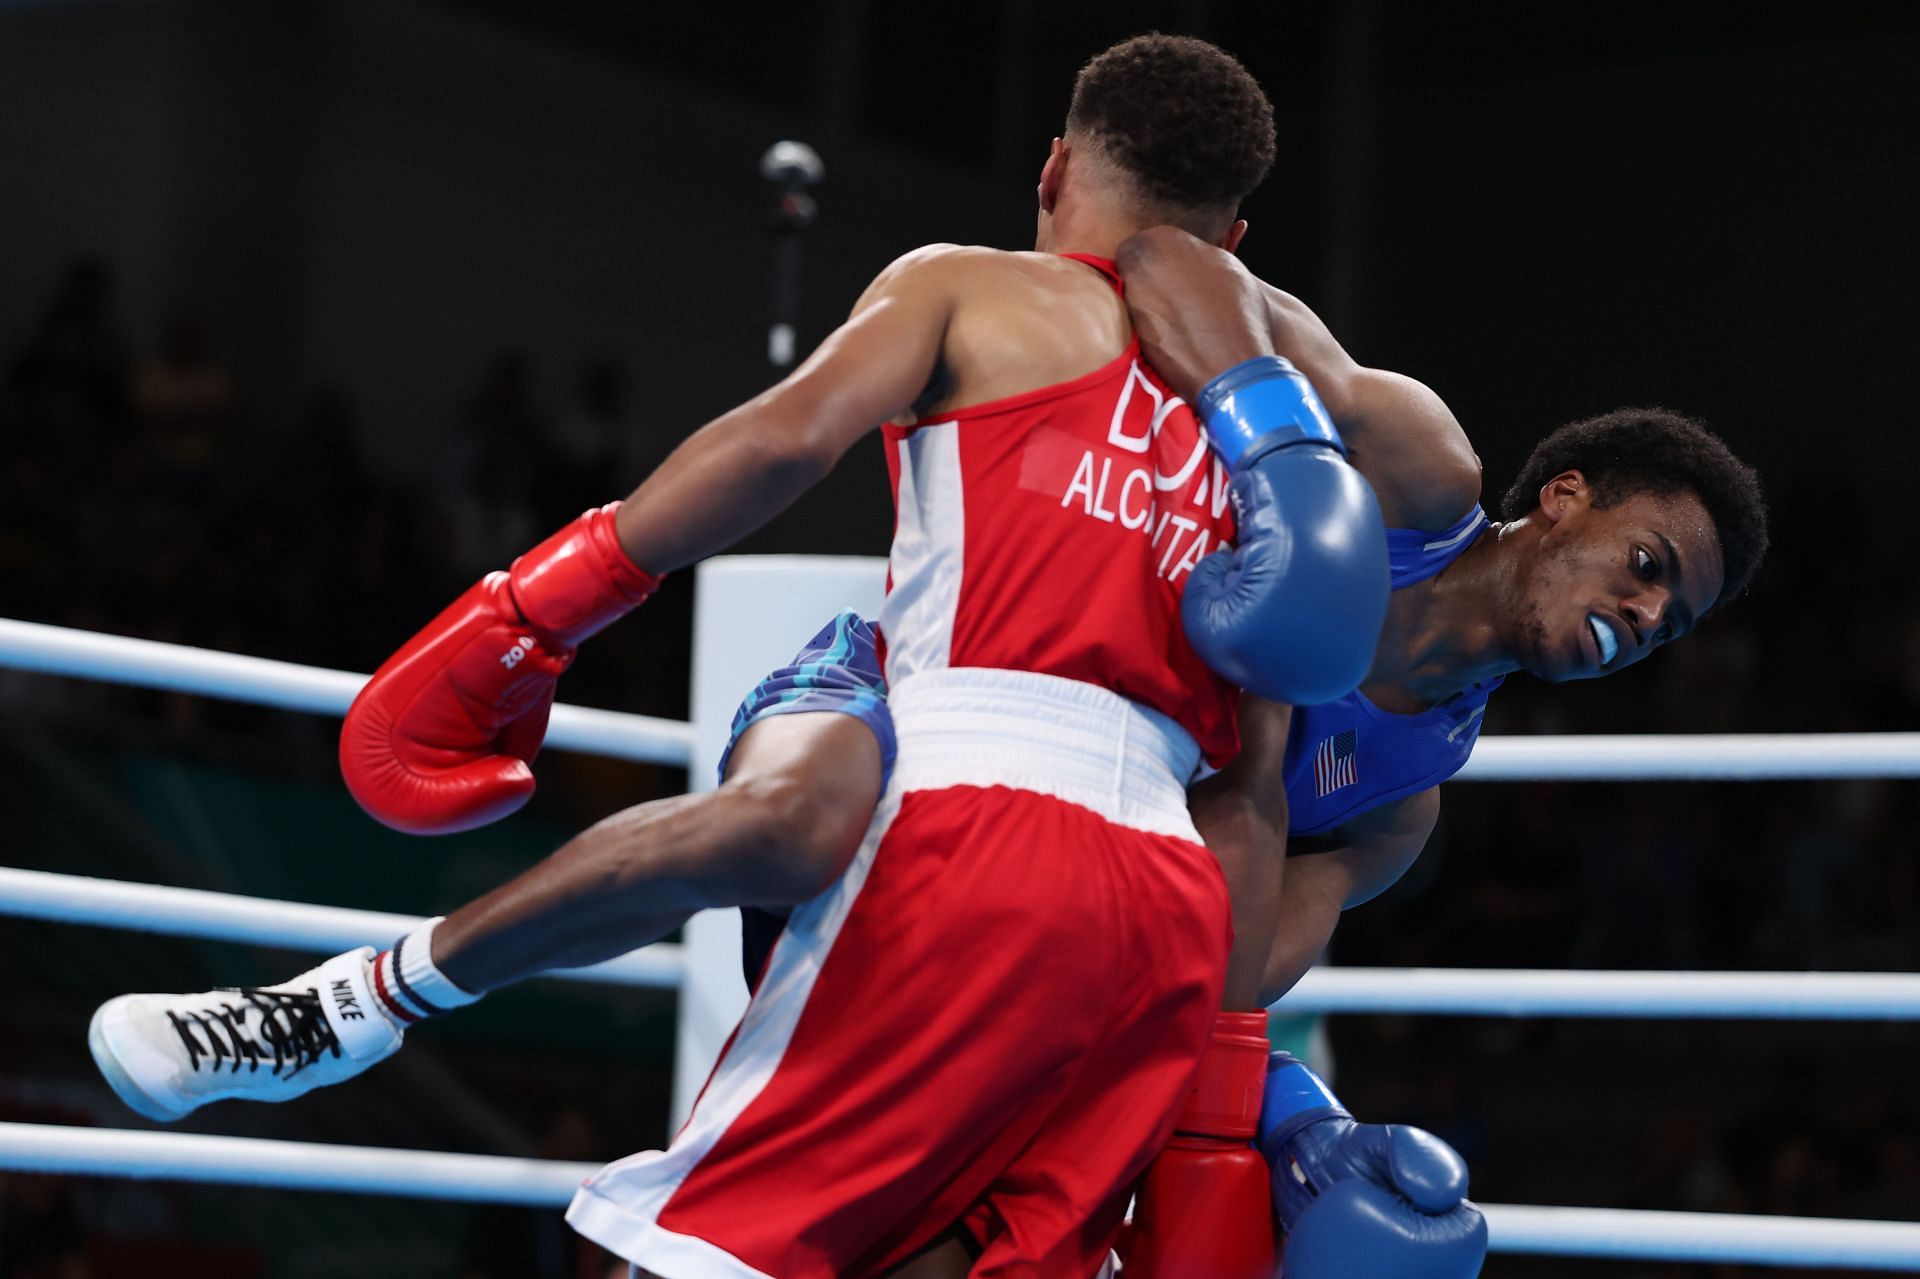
998,1007
1215,809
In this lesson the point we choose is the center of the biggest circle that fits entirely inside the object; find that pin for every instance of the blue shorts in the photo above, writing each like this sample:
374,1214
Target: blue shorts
837,670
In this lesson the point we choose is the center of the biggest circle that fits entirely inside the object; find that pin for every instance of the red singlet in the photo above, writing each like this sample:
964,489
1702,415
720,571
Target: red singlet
1052,532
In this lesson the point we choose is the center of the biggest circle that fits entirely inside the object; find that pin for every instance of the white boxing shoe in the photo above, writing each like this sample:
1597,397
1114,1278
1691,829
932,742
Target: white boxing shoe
167,1055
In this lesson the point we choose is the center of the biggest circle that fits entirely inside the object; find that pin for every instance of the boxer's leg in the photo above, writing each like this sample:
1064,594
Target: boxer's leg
1057,1208
799,793
899,1053
797,800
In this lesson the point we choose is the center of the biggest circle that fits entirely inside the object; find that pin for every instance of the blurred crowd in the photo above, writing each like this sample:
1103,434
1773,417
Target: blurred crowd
142,493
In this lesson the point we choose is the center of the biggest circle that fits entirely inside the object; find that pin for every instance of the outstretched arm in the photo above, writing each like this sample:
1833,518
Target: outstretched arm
1365,858
748,465
442,737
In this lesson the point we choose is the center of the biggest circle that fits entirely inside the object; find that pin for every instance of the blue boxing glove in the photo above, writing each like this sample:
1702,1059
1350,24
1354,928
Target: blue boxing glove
1363,1201
1292,613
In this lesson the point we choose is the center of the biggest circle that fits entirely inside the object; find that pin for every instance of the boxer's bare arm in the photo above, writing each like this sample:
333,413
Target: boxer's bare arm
1241,813
947,324
1399,434
1363,859
746,466
1198,311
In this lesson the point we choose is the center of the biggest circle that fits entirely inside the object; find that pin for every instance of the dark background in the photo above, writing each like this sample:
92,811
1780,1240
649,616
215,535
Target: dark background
311,312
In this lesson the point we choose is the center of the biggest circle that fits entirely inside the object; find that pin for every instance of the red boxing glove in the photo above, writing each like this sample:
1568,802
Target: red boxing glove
1204,1209
441,737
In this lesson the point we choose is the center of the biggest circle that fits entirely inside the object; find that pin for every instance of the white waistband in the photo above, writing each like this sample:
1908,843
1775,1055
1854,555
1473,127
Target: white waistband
973,726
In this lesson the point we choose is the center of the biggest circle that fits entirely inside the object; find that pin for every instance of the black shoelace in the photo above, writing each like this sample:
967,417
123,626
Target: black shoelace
286,1031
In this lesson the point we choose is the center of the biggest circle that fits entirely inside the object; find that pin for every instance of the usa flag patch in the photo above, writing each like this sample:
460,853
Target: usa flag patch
1336,762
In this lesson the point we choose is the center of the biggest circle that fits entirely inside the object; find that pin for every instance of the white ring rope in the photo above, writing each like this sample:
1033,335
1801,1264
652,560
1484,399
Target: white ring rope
261,921
288,1165
116,659
1649,1236
1497,992
1636,1235
300,1165
1697,757
1536,992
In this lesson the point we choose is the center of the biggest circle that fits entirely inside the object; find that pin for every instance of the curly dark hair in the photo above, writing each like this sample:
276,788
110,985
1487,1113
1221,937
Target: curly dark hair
1182,117
1656,451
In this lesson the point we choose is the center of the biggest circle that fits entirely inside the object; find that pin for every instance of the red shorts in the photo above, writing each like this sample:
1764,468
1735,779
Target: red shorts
993,1015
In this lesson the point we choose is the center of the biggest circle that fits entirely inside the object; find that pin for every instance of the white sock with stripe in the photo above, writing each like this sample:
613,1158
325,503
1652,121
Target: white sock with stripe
409,986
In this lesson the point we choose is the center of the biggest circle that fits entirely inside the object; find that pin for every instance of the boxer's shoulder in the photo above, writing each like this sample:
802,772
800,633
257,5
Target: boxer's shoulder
992,278
932,272
994,287
1398,432
1412,449
1042,300
1017,322
944,264
983,268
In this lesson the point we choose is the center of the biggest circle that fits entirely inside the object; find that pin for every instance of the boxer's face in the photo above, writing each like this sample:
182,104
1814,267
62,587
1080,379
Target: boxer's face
1608,585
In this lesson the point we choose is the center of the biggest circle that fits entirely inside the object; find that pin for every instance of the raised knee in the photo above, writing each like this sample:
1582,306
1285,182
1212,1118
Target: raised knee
807,832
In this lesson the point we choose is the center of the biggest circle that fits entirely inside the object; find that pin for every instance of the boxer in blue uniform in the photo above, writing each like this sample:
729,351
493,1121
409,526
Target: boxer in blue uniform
1620,533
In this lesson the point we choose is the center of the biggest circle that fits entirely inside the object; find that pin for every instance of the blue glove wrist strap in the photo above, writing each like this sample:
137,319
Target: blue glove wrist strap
1260,405
1295,1097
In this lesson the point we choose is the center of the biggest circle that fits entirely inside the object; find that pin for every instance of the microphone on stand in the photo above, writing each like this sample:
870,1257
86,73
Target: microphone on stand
793,168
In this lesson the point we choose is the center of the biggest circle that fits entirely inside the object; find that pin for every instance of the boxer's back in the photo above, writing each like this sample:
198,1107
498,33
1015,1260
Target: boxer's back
1024,321
1053,494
